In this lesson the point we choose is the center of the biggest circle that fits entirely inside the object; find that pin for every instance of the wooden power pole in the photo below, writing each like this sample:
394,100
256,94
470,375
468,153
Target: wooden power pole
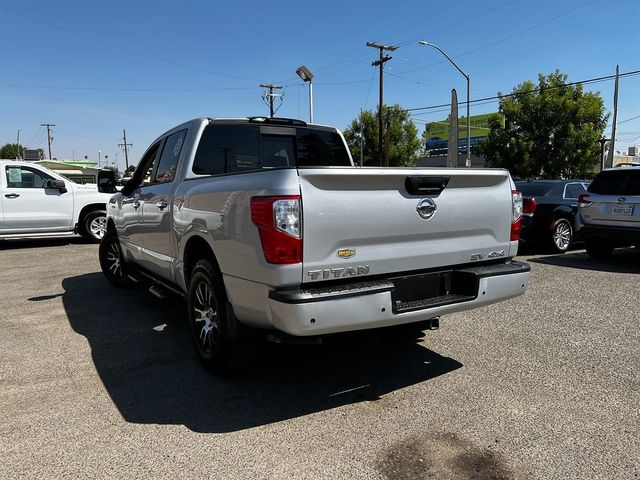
126,148
49,138
380,63
269,97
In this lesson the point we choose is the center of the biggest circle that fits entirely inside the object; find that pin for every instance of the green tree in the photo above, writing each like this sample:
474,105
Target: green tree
405,145
10,151
551,130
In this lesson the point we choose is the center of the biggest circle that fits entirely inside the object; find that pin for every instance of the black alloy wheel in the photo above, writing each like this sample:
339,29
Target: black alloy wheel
224,346
111,260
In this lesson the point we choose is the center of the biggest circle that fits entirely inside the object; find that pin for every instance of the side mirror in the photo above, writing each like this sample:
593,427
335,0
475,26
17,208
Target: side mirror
59,184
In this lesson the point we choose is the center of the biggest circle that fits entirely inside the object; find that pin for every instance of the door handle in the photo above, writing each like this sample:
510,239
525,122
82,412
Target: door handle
136,204
162,204
12,195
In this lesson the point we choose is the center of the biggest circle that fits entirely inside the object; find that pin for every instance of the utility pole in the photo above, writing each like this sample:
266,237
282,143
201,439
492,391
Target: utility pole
49,137
361,140
615,121
268,97
602,142
18,145
380,63
126,149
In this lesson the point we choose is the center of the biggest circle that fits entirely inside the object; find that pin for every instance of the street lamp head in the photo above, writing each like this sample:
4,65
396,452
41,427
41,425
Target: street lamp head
304,73
424,42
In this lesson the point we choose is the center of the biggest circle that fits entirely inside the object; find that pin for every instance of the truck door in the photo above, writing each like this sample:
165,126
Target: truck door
157,208
30,204
129,210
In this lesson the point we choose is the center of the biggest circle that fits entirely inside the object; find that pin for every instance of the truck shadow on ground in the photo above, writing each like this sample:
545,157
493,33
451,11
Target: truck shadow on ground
621,261
142,350
23,243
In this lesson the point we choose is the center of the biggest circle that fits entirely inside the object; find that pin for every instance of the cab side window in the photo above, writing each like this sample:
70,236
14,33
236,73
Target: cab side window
142,175
168,162
227,149
26,177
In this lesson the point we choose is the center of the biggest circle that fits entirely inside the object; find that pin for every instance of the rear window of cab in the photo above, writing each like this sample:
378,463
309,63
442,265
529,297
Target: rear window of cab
245,147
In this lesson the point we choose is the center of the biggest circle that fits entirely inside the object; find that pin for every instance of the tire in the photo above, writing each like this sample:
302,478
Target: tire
94,226
561,235
111,260
223,345
598,250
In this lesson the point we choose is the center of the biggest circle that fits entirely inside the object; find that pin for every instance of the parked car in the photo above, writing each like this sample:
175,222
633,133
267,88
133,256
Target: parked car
549,211
35,201
266,224
610,211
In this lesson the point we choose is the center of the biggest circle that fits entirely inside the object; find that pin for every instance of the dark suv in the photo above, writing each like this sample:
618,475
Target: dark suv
610,211
549,211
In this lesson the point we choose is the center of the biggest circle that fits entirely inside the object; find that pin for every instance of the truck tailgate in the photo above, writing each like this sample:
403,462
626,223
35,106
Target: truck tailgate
359,222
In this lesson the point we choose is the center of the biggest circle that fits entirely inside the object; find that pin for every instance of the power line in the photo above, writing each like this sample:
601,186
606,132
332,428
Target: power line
125,49
137,90
461,21
341,63
533,90
508,37
629,119
347,58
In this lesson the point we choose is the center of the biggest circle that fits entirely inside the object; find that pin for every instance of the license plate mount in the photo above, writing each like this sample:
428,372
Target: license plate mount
622,210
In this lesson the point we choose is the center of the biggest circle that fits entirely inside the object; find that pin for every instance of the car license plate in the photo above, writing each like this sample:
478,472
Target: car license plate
622,210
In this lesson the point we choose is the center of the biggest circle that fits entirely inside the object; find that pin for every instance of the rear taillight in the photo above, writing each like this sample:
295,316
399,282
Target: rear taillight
279,223
529,206
583,200
516,214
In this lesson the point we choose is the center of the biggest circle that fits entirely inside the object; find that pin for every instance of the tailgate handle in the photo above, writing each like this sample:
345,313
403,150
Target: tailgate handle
418,185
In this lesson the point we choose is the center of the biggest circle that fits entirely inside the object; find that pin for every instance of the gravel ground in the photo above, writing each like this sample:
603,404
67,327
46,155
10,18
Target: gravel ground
97,382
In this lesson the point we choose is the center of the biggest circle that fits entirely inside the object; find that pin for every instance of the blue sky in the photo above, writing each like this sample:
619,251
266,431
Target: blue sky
94,68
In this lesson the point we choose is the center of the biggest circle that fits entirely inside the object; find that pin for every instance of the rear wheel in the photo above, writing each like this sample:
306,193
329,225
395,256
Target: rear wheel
111,260
598,250
94,225
561,235
220,340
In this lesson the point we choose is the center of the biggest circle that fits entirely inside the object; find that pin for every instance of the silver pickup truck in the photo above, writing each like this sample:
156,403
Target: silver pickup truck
265,224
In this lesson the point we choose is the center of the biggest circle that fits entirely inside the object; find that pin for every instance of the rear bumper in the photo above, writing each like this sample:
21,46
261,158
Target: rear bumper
371,304
616,235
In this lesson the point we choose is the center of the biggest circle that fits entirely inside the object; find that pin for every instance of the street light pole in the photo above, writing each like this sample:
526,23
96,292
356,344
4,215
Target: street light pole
423,42
305,74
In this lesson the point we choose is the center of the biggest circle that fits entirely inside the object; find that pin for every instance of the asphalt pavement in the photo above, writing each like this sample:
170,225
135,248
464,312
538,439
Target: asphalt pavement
97,382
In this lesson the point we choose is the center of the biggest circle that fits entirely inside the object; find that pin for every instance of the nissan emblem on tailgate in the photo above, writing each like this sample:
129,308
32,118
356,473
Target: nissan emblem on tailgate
426,208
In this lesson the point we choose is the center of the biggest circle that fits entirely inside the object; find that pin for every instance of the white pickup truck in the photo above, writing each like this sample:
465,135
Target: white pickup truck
265,224
37,202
